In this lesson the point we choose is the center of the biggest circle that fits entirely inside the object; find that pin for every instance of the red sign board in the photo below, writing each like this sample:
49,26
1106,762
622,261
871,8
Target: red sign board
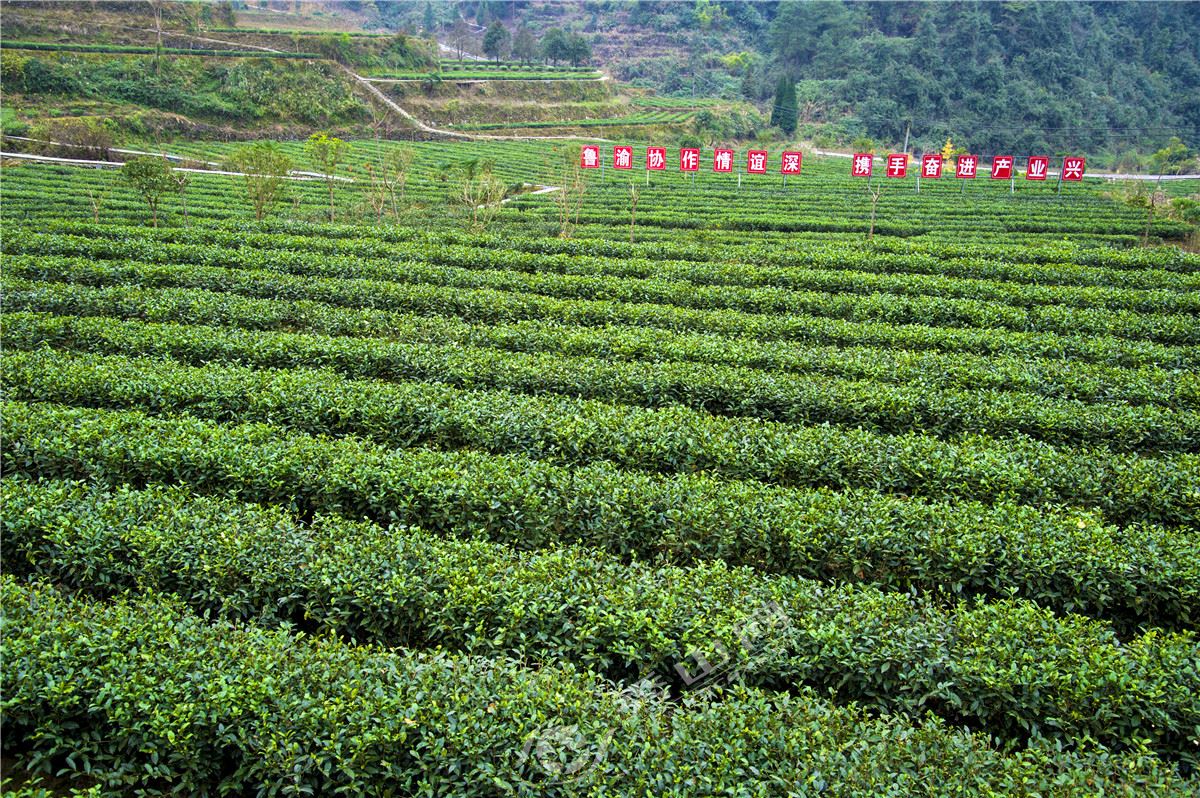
689,159
1002,166
622,157
1073,168
656,158
931,165
966,166
1037,167
789,163
897,164
756,162
723,160
860,164
589,157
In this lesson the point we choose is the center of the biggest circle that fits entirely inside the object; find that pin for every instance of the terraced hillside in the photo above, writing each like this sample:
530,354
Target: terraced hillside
748,506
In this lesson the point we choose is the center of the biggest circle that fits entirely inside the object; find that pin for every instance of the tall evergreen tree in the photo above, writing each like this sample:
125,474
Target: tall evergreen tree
785,110
496,41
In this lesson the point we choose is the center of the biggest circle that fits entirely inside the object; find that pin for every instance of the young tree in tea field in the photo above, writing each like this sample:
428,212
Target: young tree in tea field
180,180
264,167
477,191
151,177
388,176
326,153
572,183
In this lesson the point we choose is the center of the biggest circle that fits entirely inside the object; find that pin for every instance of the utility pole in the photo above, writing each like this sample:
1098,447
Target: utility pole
907,127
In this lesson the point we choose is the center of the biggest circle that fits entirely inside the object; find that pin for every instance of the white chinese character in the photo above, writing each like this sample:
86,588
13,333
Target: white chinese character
622,158
690,159
655,157
724,161
1072,168
897,164
862,164
1037,168
1001,165
758,161
590,156
932,167
966,167
791,163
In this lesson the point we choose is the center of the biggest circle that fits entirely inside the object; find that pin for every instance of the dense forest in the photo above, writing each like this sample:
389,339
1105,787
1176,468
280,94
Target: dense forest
1022,76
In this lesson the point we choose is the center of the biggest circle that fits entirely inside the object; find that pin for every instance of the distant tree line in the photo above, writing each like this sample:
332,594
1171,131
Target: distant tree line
1029,77
555,46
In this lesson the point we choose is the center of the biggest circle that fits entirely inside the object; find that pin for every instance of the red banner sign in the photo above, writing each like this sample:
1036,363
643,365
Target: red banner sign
1073,168
689,159
966,166
931,165
790,163
1002,166
897,164
622,157
1037,167
589,157
860,164
656,158
756,162
722,160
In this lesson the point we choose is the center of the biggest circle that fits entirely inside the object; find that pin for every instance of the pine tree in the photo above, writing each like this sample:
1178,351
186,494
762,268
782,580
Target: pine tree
785,110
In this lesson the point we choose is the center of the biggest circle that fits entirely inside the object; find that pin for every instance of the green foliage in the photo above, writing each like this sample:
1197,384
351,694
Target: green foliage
783,110
373,504
326,154
150,177
1175,158
558,45
497,41
243,562
1008,77
244,90
163,696
1034,545
265,168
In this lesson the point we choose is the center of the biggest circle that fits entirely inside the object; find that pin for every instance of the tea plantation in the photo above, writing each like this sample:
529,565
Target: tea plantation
711,496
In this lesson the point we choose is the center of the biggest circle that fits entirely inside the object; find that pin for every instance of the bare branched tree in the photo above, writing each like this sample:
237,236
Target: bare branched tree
572,184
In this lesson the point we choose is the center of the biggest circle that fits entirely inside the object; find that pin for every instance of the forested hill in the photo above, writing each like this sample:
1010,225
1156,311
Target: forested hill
1101,78
1022,76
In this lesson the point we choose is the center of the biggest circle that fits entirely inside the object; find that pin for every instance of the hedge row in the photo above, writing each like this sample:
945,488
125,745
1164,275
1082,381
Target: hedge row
673,294
722,390
1067,559
1052,263
141,694
977,663
445,250
1064,265
1073,380
489,305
